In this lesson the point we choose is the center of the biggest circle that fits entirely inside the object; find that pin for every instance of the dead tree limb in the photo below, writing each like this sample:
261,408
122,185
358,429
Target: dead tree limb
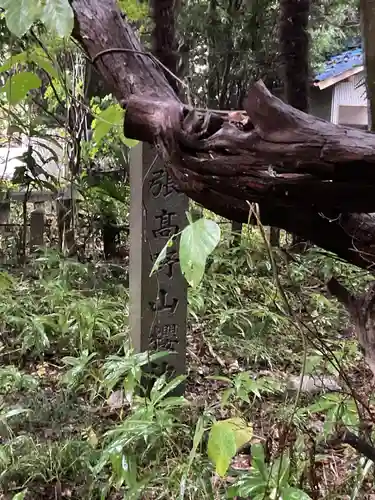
322,179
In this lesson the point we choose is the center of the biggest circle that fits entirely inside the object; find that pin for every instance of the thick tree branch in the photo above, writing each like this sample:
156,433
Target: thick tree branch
309,176
99,26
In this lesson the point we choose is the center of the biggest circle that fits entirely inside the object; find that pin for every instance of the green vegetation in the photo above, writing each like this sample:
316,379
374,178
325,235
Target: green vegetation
262,333
73,423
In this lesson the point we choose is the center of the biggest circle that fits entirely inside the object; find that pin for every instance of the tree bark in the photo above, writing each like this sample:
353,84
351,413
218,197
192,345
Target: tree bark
367,8
164,40
294,46
322,181
294,42
362,313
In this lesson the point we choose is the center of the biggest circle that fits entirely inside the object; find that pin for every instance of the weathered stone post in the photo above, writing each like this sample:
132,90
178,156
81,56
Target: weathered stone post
158,304
37,222
4,209
65,208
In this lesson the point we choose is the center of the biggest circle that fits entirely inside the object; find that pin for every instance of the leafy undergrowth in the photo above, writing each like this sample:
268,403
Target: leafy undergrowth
73,426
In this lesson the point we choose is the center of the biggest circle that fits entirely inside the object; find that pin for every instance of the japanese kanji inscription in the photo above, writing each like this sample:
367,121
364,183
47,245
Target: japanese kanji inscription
157,303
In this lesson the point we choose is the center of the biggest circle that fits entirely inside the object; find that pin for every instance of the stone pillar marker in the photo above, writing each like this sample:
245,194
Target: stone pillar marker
37,226
158,304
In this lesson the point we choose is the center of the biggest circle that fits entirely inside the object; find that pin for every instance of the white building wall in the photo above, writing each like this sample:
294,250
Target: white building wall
52,154
350,93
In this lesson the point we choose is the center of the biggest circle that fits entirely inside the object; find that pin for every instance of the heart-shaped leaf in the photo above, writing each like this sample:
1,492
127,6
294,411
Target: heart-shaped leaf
106,120
198,240
226,437
221,446
58,17
21,14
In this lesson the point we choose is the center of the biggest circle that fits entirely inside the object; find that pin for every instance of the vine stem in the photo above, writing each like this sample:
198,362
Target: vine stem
254,210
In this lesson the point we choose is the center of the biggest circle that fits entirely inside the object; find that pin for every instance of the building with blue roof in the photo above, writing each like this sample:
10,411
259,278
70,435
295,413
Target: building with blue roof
338,92
340,64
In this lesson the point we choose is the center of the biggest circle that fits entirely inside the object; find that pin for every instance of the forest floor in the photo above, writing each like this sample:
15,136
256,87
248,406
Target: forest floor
70,430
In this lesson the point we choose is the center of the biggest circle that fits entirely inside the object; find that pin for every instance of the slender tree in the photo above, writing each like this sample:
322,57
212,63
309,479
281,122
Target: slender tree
294,47
367,9
164,36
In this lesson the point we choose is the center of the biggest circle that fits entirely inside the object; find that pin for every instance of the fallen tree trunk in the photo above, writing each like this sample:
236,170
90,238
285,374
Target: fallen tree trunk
310,177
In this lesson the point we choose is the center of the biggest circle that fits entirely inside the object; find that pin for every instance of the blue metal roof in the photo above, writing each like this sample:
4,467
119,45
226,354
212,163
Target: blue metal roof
340,63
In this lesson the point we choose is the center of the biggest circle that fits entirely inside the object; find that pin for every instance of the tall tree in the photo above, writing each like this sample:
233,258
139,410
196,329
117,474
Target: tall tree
368,34
294,47
164,37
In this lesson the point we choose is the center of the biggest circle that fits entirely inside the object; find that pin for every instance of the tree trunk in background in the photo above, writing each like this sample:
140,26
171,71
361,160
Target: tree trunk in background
164,40
368,36
212,74
96,87
219,98
294,46
361,309
236,232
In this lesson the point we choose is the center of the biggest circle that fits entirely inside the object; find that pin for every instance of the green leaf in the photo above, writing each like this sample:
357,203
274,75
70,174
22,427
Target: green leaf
20,14
350,417
221,446
198,240
134,9
169,387
18,85
162,255
290,493
243,432
37,57
225,438
281,469
12,60
198,434
106,120
20,496
130,143
58,17
226,395
250,485
43,62
330,421
324,403
15,412
258,460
